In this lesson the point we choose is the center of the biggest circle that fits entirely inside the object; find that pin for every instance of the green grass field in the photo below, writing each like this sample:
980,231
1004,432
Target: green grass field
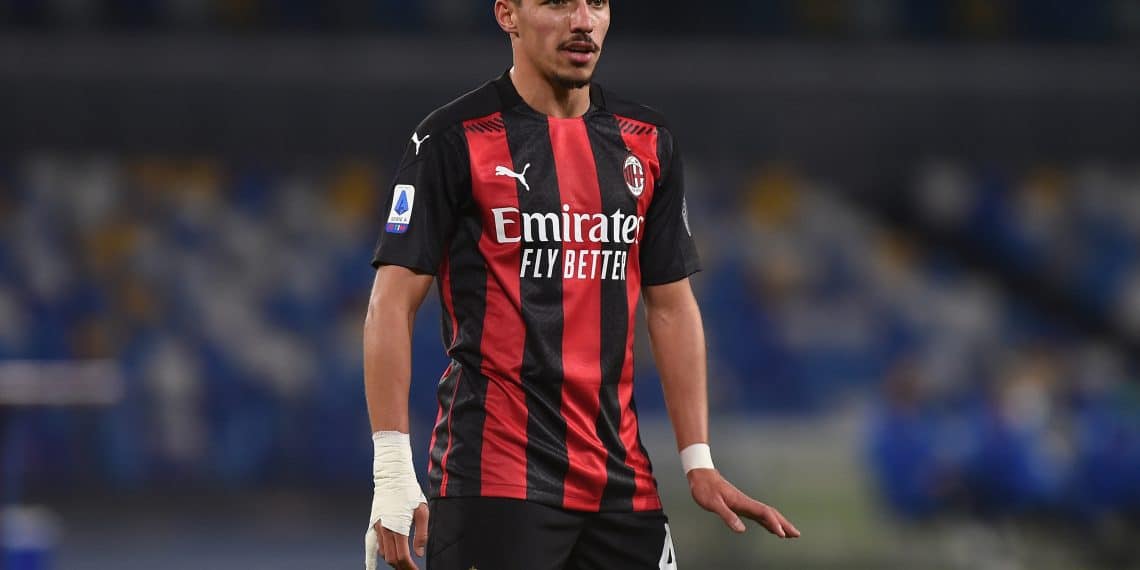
812,471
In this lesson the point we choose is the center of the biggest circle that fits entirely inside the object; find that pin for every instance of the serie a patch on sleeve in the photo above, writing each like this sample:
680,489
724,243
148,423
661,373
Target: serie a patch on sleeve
401,215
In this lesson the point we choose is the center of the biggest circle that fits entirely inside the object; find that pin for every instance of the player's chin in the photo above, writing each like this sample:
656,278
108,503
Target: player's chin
575,78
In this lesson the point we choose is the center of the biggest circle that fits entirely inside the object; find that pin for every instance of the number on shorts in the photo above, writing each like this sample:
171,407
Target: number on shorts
668,557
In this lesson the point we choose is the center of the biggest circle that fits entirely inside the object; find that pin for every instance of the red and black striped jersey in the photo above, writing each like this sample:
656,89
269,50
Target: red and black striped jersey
541,232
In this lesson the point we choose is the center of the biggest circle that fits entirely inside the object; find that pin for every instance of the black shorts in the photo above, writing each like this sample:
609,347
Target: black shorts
488,533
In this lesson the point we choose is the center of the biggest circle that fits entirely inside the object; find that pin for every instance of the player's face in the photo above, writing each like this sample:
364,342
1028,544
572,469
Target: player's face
563,38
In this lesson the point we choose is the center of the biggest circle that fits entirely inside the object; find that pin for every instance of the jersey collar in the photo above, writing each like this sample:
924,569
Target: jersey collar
510,96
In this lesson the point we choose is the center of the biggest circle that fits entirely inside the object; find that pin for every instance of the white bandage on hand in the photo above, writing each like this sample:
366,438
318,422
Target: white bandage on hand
696,456
396,493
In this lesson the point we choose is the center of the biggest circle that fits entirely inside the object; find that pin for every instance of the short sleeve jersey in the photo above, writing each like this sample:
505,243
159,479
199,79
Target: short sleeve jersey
541,232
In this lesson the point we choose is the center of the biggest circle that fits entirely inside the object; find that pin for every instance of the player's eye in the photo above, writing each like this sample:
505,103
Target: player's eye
591,3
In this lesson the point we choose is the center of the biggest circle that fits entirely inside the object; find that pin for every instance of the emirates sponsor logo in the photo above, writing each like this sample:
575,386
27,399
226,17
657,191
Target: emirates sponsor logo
570,228
513,226
570,263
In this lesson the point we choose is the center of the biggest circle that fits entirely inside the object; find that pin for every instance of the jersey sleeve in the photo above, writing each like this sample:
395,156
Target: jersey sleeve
423,202
668,252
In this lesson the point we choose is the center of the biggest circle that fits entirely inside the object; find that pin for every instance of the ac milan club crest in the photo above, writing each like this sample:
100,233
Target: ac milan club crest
634,175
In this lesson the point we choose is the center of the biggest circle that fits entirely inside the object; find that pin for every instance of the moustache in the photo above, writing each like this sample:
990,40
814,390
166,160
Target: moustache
576,41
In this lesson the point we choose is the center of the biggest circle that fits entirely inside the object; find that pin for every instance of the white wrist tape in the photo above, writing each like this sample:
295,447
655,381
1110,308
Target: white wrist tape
396,492
696,456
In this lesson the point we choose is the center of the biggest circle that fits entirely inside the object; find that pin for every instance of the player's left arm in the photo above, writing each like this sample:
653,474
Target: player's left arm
678,339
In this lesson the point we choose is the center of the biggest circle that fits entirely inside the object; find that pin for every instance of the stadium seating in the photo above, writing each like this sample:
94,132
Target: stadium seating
232,294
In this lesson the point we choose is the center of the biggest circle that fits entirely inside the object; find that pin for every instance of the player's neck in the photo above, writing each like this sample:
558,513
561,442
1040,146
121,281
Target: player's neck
547,98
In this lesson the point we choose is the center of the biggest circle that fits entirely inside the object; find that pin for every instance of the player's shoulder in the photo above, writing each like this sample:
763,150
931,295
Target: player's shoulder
624,107
477,103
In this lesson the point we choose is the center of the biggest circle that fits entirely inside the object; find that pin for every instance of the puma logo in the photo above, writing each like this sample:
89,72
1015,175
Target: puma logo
416,139
521,176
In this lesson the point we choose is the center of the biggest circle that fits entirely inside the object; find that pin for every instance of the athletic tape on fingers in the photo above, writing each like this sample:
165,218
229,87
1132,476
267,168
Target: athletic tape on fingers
396,493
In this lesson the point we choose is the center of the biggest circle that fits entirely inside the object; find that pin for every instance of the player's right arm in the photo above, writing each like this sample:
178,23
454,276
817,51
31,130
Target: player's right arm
429,190
397,293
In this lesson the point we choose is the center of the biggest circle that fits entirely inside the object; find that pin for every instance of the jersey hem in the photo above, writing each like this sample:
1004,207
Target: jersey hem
539,496
670,279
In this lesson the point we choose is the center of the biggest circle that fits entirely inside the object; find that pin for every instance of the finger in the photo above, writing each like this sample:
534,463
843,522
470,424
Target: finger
420,518
789,528
761,513
772,523
387,546
403,553
746,506
721,508
371,546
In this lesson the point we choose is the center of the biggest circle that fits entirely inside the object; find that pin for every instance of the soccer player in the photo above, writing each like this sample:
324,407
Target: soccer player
544,206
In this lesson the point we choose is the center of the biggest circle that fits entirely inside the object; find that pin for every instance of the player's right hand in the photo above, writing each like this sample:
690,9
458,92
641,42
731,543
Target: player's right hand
393,546
397,503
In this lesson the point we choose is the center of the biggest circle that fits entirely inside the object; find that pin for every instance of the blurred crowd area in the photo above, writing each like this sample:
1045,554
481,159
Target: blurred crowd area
232,293
1053,424
983,403
1076,230
936,20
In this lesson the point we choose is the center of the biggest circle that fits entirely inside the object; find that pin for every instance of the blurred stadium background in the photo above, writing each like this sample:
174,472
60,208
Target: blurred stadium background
920,223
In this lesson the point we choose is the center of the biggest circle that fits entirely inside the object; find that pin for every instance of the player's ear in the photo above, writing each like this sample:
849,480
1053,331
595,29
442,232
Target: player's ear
506,14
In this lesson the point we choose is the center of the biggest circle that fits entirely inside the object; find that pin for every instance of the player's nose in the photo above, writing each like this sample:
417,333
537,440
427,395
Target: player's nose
582,19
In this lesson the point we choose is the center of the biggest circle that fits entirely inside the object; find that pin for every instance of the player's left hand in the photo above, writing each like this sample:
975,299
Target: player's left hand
715,494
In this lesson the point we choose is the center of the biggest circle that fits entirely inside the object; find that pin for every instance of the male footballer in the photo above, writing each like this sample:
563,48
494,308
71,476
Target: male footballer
544,207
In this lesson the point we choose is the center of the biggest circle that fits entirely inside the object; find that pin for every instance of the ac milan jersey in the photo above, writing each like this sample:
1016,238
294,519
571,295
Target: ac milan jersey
541,232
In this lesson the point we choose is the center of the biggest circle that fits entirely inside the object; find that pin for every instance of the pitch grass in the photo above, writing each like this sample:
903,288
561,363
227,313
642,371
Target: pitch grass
812,469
